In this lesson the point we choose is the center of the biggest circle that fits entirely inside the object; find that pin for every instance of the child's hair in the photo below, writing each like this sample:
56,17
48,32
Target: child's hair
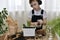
39,1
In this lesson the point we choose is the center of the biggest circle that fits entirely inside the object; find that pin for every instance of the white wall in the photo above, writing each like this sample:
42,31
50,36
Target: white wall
58,5
3,4
50,5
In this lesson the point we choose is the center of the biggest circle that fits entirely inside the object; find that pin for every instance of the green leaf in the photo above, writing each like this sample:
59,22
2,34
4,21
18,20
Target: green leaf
3,16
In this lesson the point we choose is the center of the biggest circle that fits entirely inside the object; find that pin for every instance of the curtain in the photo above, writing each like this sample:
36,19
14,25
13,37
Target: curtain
18,9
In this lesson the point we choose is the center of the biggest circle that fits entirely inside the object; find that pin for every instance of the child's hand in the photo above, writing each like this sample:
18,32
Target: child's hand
40,21
33,24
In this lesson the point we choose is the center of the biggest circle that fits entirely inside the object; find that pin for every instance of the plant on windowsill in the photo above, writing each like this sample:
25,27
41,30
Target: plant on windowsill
3,16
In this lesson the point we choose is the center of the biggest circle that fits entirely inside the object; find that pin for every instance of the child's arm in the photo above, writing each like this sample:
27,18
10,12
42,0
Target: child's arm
44,18
44,21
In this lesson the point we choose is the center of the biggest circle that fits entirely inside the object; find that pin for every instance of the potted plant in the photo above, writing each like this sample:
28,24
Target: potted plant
28,23
55,24
3,16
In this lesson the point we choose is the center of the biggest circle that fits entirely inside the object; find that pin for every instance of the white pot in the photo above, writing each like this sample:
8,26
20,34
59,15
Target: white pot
57,36
29,31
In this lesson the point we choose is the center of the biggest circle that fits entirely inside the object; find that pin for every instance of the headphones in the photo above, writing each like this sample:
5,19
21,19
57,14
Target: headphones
39,2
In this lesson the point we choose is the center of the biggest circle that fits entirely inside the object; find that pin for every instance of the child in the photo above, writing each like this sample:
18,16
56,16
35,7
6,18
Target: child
37,16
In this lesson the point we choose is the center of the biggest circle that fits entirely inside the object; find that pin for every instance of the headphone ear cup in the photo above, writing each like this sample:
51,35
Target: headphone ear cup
39,2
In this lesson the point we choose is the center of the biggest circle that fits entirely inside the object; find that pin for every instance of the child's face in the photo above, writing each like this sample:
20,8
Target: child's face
35,5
